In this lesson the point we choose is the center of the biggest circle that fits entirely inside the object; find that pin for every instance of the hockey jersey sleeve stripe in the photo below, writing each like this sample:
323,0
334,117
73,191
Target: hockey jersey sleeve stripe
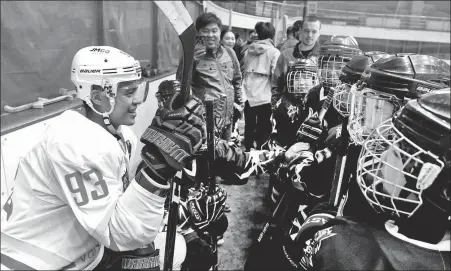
13,264
34,255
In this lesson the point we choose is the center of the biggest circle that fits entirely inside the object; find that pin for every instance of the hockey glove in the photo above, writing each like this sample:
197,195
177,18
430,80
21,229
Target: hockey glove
312,130
176,133
200,255
333,138
205,208
330,144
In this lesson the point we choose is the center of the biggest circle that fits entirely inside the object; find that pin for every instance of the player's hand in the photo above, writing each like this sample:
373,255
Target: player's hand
312,130
333,138
295,151
176,133
199,254
204,207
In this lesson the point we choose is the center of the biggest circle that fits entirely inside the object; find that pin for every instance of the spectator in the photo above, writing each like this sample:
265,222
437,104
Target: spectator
238,44
209,82
291,39
259,64
244,47
297,27
294,32
307,47
228,38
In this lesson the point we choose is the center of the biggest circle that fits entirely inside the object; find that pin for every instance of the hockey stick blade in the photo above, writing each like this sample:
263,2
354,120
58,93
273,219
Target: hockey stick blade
183,24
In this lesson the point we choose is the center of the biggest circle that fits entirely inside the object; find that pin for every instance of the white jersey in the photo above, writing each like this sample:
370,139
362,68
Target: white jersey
68,200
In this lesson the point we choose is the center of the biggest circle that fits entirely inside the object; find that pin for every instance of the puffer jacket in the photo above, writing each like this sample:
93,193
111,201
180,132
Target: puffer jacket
278,78
218,77
259,64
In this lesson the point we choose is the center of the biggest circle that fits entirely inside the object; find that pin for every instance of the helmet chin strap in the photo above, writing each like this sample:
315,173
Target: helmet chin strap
107,121
106,116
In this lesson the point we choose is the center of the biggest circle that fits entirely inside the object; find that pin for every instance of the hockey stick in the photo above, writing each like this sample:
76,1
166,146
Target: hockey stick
210,158
341,176
180,19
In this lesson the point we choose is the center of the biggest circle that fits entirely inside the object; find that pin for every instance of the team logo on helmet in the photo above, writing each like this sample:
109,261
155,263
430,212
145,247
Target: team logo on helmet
99,50
423,88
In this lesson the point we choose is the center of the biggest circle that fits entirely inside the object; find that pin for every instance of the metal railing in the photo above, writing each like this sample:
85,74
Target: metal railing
268,9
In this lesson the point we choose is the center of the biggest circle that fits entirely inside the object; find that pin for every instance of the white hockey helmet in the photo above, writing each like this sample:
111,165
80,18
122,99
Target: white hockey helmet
107,67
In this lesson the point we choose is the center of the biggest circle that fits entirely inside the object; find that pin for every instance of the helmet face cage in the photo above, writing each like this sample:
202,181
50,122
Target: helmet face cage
329,68
342,98
301,78
393,171
369,108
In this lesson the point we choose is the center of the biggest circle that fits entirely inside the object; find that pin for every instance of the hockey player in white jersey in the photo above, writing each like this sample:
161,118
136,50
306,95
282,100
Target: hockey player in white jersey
72,198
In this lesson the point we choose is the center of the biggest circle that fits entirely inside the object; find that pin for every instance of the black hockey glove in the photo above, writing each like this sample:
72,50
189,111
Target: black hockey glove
176,133
199,254
333,138
205,208
330,144
312,130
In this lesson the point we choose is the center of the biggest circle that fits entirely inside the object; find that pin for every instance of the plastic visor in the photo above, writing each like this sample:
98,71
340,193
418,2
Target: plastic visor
392,171
329,70
136,89
301,81
369,108
342,98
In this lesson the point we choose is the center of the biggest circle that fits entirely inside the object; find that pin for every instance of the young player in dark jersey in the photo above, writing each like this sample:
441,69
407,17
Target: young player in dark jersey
313,116
403,171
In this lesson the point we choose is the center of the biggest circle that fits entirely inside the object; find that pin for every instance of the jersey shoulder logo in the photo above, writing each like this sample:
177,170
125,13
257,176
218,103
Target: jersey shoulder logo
313,245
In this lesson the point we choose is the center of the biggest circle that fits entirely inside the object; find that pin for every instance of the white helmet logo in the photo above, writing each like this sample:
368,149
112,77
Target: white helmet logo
99,50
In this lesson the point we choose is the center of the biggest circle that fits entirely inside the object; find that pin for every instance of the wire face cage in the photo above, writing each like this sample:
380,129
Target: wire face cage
392,171
329,69
301,77
342,98
369,108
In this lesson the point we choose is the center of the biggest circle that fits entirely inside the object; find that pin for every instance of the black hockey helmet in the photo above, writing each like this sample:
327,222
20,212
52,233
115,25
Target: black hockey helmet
404,167
333,55
407,76
166,89
349,76
353,69
387,84
375,55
